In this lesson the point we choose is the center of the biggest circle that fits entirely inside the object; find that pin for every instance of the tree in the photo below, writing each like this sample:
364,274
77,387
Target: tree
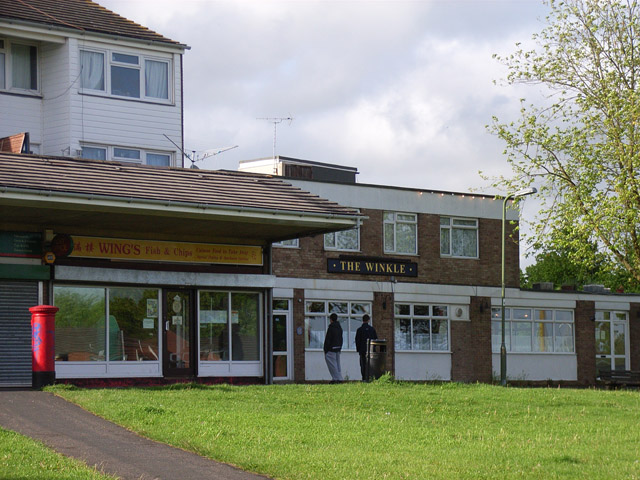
580,146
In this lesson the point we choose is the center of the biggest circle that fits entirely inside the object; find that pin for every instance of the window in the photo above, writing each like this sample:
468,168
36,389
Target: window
345,240
400,233
18,66
459,237
124,75
98,324
533,330
421,327
292,243
229,326
316,321
122,154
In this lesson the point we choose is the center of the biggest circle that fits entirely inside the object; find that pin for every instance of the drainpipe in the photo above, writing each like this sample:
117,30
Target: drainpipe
268,337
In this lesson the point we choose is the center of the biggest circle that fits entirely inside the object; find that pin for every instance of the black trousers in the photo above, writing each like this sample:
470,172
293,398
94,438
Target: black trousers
363,366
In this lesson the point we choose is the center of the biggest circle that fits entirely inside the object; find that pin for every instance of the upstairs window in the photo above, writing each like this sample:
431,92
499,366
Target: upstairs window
124,75
121,154
401,233
458,237
346,240
18,66
291,243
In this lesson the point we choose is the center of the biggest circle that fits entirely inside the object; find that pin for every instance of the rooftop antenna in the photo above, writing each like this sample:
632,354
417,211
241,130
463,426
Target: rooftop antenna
205,154
276,121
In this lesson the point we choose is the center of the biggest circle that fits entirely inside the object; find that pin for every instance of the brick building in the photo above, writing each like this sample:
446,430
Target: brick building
426,265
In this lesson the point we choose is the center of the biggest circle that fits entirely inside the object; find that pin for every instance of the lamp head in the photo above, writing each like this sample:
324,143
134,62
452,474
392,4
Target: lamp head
525,191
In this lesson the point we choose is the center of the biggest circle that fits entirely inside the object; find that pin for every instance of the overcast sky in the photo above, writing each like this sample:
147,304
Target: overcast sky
401,90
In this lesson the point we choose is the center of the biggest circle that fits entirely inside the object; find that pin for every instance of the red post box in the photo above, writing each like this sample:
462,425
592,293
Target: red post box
43,345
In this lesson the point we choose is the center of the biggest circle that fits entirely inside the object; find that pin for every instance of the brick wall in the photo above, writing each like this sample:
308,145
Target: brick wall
382,321
298,340
471,344
310,260
585,341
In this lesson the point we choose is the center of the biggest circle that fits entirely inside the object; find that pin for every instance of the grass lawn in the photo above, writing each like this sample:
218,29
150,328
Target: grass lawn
386,430
22,458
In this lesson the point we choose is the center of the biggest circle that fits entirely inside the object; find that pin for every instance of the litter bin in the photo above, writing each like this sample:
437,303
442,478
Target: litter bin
376,358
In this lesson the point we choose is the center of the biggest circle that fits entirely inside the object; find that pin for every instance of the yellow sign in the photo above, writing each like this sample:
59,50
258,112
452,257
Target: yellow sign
158,251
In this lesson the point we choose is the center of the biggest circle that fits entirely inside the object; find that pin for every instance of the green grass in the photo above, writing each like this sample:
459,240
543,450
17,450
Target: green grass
22,458
386,430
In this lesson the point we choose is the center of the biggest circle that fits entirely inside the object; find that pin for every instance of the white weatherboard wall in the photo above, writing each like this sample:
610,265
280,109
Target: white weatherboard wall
21,114
57,82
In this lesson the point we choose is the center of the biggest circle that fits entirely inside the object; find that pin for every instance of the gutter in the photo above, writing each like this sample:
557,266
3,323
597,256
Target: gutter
172,203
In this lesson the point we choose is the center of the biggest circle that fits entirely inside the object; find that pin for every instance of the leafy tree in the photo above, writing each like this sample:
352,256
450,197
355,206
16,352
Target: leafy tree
580,145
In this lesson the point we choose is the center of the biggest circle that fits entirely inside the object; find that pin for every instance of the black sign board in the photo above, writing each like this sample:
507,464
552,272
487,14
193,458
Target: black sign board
368,266
21,244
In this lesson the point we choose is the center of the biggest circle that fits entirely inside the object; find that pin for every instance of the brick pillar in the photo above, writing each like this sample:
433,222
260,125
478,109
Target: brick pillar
471,344
298,340
382,321
586,341
634,336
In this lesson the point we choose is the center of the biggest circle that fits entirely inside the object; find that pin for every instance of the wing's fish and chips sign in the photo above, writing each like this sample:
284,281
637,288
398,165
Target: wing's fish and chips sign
159,251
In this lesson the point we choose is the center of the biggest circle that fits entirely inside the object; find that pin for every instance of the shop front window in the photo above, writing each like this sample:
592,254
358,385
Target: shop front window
84,335
229,326
317,321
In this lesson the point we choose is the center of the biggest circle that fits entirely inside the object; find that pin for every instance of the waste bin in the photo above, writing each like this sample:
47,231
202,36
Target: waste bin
376,358
43,365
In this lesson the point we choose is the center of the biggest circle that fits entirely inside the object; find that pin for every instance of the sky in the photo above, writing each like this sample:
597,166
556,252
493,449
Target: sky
400,89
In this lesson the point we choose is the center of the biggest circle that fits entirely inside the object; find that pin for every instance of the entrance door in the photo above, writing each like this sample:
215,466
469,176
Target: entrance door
281,328
179,338
611,341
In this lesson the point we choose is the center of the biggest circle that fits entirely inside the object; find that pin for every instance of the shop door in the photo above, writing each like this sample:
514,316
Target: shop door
281,328
179,333
611,341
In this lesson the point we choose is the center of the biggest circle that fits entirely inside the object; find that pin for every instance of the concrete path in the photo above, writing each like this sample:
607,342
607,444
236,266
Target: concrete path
74,432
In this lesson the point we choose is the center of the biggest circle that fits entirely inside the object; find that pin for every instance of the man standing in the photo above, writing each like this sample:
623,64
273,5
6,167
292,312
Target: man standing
364,333
332,348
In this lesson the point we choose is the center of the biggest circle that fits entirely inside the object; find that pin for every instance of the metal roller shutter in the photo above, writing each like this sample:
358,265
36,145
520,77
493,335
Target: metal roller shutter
15,332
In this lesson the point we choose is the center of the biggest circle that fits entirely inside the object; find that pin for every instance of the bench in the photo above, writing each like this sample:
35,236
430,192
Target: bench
621,378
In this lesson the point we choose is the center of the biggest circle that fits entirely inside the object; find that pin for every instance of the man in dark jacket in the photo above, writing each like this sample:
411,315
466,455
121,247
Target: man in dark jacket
364,333
332,348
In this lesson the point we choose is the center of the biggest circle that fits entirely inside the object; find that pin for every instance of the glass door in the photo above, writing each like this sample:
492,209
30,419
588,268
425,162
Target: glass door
178,333
281,328
611,341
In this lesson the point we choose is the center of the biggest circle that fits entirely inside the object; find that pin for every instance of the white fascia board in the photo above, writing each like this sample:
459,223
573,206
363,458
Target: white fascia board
408,200
50,199
31,33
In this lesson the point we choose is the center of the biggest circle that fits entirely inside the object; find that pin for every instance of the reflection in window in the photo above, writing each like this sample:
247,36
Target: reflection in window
83,335
421,327
317,321
229,326
550,330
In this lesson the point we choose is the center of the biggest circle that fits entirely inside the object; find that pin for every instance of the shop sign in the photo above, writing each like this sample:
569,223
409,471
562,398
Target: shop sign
159,251
372,267
21,244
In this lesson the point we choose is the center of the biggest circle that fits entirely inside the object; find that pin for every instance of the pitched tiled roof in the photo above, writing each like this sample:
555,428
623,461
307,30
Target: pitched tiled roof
81,15
174,185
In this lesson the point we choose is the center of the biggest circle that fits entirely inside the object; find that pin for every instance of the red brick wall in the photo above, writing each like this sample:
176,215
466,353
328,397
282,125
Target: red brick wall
310,260
585,342
298,340
382,321
471,344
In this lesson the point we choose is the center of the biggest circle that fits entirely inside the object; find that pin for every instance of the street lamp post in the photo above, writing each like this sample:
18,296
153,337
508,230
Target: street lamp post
503,347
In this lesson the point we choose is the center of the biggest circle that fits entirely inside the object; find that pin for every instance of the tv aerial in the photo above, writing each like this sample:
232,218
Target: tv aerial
276,121
194,157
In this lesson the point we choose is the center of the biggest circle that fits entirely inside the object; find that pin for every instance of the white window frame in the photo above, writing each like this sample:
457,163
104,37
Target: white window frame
111,152
518,316
331,240
436,313
141,67
448,230
291,243
7,83
348,333
395,221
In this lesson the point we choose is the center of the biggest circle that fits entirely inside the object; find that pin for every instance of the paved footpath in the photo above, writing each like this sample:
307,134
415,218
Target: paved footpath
74,432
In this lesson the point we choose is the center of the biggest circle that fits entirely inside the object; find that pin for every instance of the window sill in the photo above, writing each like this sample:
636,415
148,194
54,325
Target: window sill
126,99
21,94
459,258
448,352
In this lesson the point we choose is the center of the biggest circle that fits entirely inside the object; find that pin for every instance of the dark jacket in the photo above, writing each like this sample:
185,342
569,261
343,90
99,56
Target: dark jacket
363,333
333,338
